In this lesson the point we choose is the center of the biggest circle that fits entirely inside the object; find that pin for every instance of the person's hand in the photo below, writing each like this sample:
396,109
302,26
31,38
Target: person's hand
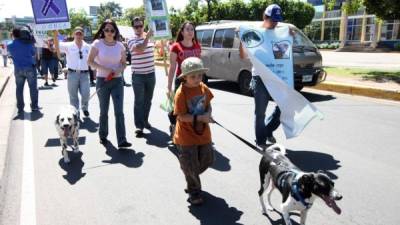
206,118
292,32
149,34
170,93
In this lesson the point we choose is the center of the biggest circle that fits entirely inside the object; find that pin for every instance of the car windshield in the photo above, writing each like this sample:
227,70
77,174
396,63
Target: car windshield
301,41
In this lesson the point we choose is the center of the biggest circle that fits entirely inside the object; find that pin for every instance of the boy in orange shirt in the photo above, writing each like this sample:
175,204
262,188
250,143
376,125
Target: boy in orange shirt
192,133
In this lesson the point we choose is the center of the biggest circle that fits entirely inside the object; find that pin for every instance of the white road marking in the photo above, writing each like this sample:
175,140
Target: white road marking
28,207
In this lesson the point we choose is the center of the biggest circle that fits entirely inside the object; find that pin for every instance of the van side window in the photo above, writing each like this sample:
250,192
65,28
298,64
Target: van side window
229,36
218,38
206,38
199,35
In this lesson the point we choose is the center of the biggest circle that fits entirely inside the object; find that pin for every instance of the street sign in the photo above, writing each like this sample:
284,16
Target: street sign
50,14
158,18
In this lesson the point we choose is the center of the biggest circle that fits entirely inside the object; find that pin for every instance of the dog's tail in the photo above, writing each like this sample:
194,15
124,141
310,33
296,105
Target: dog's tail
277,147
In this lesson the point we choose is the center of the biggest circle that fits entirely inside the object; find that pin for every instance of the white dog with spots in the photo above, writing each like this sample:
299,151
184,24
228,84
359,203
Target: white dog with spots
67,125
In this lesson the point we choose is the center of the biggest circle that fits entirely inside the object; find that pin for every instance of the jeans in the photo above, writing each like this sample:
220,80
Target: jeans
22,75
78,82
143,88
264,127
114,89
5,60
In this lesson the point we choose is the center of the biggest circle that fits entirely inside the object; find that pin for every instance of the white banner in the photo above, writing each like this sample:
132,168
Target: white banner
296,111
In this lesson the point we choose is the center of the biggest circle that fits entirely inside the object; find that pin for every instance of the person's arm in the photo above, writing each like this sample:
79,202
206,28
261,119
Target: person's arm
188,118
122,67
142,46
56,43
242,52
206,117
92,55
171,73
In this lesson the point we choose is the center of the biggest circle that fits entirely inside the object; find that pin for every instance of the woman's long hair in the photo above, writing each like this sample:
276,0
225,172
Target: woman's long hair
100,32
180,35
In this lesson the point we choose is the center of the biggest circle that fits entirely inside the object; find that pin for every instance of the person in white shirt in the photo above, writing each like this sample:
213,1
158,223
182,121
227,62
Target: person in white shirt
4,53
77,53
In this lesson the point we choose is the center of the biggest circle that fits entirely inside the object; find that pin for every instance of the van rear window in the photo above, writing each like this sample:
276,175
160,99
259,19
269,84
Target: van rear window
206,38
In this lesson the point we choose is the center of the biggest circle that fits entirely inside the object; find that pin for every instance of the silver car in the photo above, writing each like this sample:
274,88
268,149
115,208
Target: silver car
220,52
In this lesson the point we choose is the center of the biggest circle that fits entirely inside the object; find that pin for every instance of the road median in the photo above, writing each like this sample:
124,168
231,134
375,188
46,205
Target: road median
347,88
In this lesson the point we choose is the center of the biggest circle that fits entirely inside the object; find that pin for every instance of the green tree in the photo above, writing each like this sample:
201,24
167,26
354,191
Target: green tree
131,13
384,9
109,10
77,18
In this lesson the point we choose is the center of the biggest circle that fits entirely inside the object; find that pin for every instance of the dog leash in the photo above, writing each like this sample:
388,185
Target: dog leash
108,78
240,138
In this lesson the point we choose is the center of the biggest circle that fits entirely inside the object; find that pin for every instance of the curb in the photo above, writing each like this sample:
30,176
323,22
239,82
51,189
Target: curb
349,89
4,84
358,90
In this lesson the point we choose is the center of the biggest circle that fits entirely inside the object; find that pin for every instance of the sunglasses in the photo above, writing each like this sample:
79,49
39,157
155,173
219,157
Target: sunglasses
80,54
109,30
138,26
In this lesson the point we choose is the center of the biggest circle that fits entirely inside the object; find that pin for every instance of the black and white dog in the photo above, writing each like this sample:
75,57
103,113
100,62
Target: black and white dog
298,189
67,125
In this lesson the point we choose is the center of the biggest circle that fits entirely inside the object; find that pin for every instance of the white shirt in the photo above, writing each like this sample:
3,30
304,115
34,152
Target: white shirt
3,51
72,52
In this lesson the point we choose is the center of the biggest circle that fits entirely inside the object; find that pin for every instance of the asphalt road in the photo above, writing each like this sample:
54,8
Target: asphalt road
356,144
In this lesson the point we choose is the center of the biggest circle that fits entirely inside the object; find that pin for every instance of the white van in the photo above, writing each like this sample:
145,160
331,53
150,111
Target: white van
220,52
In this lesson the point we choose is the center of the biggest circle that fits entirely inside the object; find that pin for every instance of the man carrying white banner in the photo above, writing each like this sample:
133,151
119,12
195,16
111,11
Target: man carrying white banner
270,51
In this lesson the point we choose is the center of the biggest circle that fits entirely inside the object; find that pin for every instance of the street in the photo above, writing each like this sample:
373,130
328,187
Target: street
355,144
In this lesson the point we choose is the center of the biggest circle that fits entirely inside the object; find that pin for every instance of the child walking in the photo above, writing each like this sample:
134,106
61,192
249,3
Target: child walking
192,133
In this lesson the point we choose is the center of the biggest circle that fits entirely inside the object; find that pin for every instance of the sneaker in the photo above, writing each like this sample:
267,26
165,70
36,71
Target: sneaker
124,144
195,199
271,140
262,146
46,84
36,108
86,113
147,125
54,80
139,132
103,141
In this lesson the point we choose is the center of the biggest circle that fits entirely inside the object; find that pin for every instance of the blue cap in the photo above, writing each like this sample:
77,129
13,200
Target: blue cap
274,12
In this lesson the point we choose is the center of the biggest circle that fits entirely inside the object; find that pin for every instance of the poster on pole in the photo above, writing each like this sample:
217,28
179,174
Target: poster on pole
270,52
158,18
51,14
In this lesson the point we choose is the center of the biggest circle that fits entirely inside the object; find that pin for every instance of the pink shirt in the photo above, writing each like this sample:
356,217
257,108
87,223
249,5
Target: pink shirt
108,56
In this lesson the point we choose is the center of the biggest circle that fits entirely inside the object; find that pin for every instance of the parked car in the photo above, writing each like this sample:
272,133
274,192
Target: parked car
220,53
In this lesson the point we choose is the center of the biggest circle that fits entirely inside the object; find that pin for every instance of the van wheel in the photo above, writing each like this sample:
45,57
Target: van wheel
298,88
205,79
244,83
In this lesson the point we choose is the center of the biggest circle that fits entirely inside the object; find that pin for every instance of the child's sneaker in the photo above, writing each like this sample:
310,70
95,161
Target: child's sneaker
195,199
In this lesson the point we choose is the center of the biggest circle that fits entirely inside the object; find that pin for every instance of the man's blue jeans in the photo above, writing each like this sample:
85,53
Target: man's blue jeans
114,89
78,82
264,127
143,88
22,75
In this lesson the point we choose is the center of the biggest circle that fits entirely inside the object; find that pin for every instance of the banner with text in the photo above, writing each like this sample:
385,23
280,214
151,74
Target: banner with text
50,14
270,52
158,18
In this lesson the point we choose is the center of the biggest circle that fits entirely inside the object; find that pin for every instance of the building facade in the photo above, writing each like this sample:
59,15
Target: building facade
362,28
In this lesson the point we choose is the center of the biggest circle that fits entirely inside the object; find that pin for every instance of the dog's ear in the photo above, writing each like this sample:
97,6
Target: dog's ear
58,119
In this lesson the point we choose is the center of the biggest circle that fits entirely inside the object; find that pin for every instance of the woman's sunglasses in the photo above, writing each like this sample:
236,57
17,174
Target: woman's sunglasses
138,26
109,30
80,54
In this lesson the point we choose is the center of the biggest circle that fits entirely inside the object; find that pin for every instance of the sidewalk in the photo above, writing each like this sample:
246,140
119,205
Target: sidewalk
355,86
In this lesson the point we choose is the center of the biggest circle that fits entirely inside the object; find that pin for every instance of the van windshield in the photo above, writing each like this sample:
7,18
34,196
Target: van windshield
301,41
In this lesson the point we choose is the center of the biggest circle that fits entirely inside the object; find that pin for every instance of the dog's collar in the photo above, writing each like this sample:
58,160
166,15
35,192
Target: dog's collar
295,190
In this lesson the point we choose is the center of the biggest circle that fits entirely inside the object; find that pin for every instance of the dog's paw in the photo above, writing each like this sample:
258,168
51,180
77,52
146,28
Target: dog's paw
270,208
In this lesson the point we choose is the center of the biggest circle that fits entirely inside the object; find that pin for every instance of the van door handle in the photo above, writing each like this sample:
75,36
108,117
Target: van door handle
229,55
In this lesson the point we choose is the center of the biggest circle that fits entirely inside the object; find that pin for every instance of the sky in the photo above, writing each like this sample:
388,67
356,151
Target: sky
21,8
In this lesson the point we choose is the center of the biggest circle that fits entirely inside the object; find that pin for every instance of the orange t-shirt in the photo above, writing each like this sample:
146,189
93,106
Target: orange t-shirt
193,101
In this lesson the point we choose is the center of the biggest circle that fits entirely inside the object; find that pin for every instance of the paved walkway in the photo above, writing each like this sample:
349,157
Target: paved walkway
389,61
